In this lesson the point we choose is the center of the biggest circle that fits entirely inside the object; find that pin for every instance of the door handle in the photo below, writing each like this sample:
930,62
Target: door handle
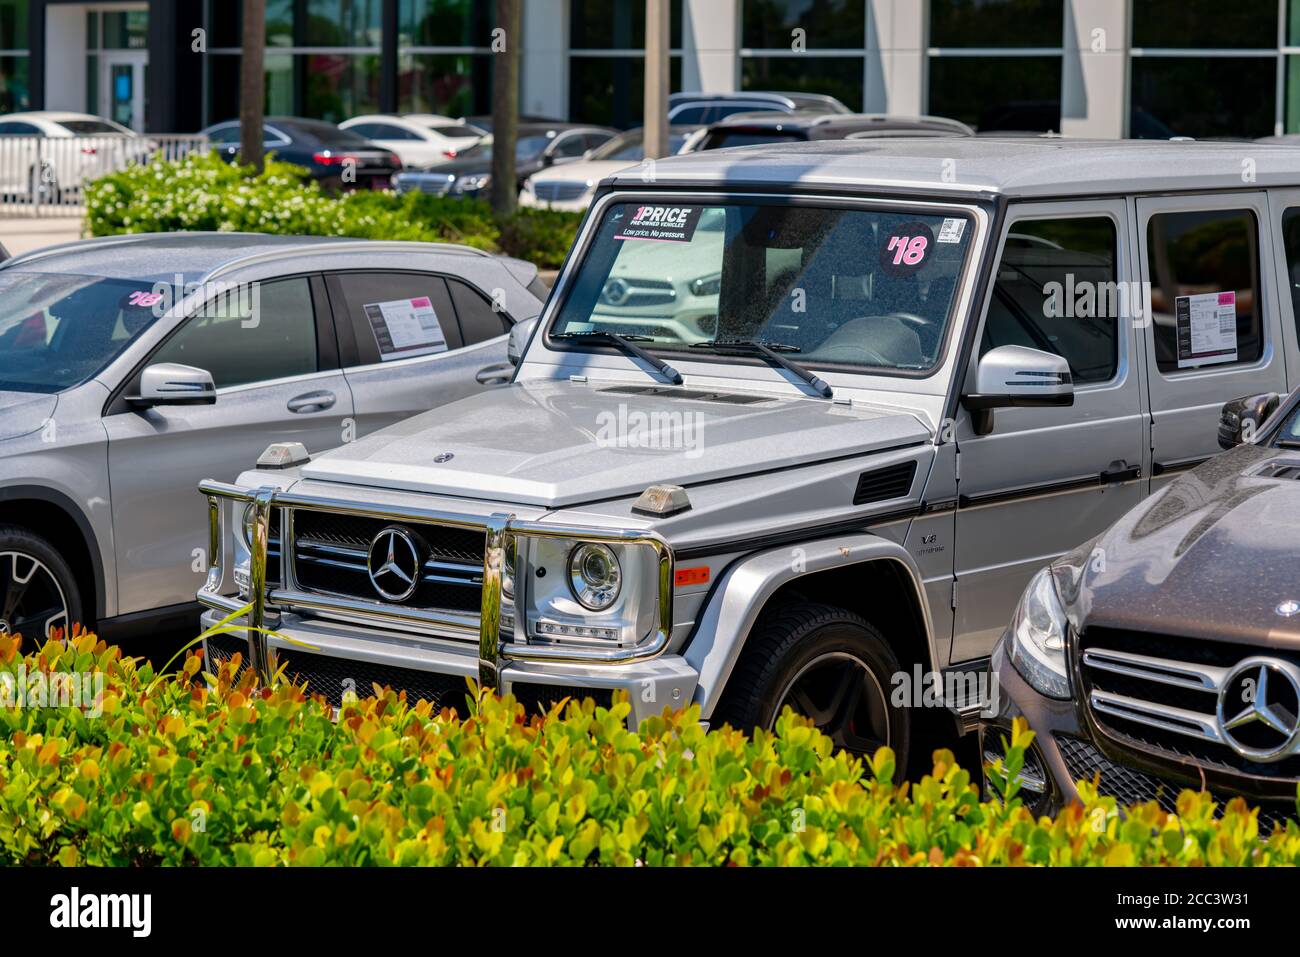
311,402
494,375
1120,471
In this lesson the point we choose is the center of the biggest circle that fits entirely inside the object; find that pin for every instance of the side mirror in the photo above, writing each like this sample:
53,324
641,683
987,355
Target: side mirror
520,333
170,383
1241,419
1017,376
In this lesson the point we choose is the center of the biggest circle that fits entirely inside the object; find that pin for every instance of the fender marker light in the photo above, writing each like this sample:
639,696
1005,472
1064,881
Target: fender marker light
283,455
698,575
662,500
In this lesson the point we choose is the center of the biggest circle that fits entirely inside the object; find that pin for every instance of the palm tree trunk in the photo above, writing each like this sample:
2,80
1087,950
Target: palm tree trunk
252,88
505,105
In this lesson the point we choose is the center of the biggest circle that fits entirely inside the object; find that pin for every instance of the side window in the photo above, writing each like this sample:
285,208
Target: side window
266,332
1291,239
570,145
1056,291
478,321
224,134
395,315
18,129
1204,271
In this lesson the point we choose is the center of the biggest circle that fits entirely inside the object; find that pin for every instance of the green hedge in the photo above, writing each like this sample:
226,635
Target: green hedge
202,192
222,772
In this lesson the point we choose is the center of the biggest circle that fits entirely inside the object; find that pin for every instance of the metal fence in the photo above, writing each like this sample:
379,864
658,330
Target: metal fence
42,176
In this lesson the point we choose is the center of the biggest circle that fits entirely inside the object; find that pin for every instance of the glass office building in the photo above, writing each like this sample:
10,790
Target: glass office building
1144,68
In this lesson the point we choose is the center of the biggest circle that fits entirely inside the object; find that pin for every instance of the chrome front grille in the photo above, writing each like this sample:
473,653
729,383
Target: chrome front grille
331,556
559,190
1161,694
635,293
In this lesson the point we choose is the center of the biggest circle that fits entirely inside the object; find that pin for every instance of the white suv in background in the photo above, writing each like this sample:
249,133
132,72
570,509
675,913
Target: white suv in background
418,139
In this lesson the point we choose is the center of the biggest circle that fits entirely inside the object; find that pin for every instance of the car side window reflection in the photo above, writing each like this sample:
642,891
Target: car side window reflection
1053,293
263,332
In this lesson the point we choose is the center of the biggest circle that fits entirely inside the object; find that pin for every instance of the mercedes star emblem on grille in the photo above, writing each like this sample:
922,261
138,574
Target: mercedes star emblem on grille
616,291
394,563
1259,708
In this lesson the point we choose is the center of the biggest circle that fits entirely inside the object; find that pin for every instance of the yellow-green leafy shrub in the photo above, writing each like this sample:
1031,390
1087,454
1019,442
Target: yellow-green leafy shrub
203,192
214,771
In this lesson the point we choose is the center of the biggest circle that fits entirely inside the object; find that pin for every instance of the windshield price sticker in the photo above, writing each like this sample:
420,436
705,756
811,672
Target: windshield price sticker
662,224
906,248
1207,329
405,328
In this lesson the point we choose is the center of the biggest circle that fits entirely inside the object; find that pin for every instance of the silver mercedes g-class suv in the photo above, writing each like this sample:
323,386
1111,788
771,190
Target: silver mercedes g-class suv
796,426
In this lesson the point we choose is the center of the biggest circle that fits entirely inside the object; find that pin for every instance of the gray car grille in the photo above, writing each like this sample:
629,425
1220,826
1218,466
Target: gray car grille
1159,694
558,190
434,185
331,555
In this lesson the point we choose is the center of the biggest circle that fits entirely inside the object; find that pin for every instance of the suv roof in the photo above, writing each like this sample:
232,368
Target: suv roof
159,257
1014,168
790,101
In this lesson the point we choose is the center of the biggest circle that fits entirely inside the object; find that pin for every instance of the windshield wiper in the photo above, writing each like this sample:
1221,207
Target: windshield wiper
628,343
771,351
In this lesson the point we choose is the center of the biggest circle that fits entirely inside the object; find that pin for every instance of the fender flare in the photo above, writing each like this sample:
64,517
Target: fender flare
746,586
40,493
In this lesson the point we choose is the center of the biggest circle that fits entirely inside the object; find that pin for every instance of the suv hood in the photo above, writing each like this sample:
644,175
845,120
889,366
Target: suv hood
1211,556
24,412
559,443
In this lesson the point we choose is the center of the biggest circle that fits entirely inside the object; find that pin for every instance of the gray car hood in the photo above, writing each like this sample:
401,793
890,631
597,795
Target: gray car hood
1212,555
24,412
559,443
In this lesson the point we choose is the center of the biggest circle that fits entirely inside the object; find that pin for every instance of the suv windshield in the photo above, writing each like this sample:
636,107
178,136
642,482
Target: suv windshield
57,331
854,287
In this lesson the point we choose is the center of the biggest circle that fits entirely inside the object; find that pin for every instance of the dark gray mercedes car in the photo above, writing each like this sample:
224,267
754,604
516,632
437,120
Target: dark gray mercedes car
1165,653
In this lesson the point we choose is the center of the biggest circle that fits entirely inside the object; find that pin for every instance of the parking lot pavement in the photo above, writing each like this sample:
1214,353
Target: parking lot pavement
22,234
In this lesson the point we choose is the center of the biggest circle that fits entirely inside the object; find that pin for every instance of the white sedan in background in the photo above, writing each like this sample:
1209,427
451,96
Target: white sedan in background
43,153
571,186
418,139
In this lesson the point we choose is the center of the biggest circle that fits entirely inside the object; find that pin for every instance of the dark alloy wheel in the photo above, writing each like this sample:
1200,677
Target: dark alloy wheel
844,698
827,664
39,598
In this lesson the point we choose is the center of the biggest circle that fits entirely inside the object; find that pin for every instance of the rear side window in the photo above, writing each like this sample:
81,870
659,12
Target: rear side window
1204,273
478,320
1291,239
1057,291
720,138
395,315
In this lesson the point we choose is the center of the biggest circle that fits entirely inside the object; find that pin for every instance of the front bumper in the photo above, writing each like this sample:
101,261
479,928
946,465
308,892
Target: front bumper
1065,751
333,658
445,646
579,205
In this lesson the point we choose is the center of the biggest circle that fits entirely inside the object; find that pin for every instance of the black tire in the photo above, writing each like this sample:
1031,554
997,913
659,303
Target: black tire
37,588
805,648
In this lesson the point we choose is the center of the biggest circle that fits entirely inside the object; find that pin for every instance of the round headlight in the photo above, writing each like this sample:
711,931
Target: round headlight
594,576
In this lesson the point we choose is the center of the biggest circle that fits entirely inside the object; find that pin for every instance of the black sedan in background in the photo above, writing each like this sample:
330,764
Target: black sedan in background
337,159
539,145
